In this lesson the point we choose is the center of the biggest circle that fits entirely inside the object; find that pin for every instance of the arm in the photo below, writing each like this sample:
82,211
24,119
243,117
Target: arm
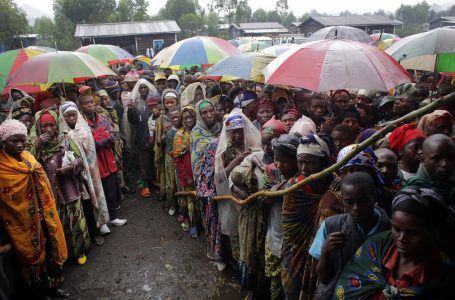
334,241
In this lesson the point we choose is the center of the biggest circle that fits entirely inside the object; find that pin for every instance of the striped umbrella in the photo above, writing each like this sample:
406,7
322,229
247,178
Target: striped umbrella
336,64
340,32
10,61
252,46
58,67
198,50
277,50
383,36
248,66
42,48
107,54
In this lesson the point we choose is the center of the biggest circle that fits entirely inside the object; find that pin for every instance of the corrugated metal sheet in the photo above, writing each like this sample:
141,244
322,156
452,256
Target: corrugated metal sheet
259,25
278,30
355,20
126,28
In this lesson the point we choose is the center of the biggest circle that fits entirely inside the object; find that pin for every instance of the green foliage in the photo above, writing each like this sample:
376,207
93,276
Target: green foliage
242,13
45,29
282,7
259,15
288,19
190,23
131,10
84,11
212,21
174,9
406,30
13,22
273,16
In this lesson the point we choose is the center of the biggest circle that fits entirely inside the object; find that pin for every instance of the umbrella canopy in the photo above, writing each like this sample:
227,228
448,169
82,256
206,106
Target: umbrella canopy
59,67
199,50
340,32
383,36
336,64
247,66
252,46
144,59
429,51
107,54
42,48
10,61
277,50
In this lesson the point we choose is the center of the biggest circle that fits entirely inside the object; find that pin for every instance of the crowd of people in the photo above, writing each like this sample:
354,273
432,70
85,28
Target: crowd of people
381,227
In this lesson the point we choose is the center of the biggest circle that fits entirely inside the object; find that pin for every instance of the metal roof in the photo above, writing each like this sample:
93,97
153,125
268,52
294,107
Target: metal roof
446,18
354,20
296,24
126,28
273,30
259,25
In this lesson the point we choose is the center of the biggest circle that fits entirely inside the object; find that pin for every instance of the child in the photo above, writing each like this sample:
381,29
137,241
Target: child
152,103
174,116
339,236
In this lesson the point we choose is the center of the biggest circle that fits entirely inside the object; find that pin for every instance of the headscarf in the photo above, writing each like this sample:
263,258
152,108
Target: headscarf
25,102
274,127
131,76
44,100
21,111
139,104
50,148
303,127
67,106
10,128
365,158
263,102
314,144
429,120
200,123
234,122
365,134
403,135
278,94
187,97
285,145
247,97
168,93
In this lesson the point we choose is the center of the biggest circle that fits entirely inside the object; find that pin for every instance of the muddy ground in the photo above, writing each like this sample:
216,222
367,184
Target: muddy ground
149,258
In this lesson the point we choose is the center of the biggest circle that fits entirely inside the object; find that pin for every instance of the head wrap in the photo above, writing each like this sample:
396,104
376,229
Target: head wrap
386,100
285,145
169,93
276,127
365,134
20,111
403,135
188,108
303,127
234,122
174,77
423,203
247,97
153,100
278,94
102,93
110,84
292,112
68,106
46,118
263,102
131,76
367,94
430,120
85,89
40,98
313,144
10,128
365,158
203,104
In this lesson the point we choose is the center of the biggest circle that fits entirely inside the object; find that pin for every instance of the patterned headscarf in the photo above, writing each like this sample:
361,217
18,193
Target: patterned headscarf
314,144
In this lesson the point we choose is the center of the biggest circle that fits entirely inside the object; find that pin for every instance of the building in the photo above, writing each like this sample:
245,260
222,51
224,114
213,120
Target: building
270,29
135,37
294,27
370,24
442,22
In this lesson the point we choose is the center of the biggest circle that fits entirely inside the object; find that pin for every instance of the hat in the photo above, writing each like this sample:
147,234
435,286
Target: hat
386,100
247,97
10,128
235,122
160,76
369,94
41,97
132,76
102,93
153,100
85,89
173,77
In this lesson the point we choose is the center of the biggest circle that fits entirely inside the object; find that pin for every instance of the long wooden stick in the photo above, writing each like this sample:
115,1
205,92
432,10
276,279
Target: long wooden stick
368,142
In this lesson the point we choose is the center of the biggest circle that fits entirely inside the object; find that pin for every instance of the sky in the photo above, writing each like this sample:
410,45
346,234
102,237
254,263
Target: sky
298,7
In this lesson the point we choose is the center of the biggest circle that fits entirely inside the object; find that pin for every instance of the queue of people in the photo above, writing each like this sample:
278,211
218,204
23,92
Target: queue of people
381,227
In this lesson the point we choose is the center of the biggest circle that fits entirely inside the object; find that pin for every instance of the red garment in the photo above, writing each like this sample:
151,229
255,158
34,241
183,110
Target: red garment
46,118
403,135
276,125
40,98
183,166
104,140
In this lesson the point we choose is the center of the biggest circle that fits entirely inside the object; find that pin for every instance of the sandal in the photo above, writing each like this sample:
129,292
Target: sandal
145,193
194,232
185,227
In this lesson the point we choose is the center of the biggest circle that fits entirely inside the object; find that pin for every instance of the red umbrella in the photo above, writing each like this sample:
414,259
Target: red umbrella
336,64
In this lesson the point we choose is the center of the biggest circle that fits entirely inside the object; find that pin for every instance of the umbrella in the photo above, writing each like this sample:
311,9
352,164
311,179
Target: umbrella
59,67
336,64
340,32
199,50
277,50
42,48
107,54
383,36
253,46
144,59
10,61
247,66
429,51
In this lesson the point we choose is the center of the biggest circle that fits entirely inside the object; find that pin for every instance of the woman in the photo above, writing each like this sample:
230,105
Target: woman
138,116
193,93
62,162
288,118
31,221
24,115
73,124
299,217
181,152
439,121
406,261
264,111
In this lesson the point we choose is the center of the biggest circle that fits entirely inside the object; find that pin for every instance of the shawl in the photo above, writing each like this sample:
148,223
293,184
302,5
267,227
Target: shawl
187,96
182,157
48,149
82,136
26,200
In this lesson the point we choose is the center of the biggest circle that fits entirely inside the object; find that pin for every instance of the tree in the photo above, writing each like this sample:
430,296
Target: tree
230,8
45,29
273,16
304,17
13,24
131,10
190,23
242,13
282,8
288,19
174,9
85,11
211,20
413,14
259,15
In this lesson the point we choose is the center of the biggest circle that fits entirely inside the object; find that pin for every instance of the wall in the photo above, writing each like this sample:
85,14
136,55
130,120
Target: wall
310,26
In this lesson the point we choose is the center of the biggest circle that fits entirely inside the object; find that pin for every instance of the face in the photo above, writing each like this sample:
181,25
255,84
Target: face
154,110
87,105
443,126
388,166
50,128
411,154
341,102
143,90
198,95
28,121
208,116
130,84
362,100
70,118
340,139
309,164
225,87
317,109
266,142
288,121
402,106
264,114
352,122
410,236
439,160
358,202
220,112
175,119
161,85
105,101
387,111
189,120
16,95
170,102
237,136
287,165
71,95
172,84
15,144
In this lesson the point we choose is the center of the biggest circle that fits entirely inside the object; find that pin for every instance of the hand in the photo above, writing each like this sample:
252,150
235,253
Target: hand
258,163
328,125
239,193
334,241
42,139
242,156
130,104
65,170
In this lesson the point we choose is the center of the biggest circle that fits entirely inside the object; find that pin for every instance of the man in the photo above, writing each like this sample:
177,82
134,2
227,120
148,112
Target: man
406,102
339,236
104,140
173,82
317,109
342,136
160,82
365,97
248,101
388,166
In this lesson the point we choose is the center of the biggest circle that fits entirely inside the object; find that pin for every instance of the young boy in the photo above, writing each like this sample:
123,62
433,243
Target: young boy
152,103
339,236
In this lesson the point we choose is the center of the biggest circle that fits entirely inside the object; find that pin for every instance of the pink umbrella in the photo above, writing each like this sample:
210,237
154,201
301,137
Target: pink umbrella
336,64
